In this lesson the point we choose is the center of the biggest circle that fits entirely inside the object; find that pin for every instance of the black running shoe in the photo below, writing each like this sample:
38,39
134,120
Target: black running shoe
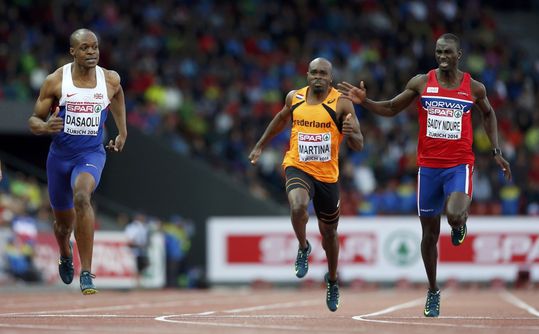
432,305
65,267
458,235
302,261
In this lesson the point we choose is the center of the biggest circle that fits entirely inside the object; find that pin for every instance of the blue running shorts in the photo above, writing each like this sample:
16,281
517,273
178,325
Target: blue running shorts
434,185
62,171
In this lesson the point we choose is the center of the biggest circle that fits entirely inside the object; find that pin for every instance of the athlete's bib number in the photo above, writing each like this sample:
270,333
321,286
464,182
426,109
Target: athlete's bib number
82,119
444,127
314,147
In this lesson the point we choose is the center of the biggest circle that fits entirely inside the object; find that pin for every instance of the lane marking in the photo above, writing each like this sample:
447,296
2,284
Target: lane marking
254,326
274,306
122,307
429,322
119,316
512,299
415,302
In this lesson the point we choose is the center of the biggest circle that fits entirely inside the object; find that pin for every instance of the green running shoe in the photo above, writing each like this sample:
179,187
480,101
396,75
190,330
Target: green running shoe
86,284
302,261
332,294
458,235
432,305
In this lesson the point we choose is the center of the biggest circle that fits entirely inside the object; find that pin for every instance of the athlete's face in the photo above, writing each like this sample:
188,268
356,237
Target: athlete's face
319,76
86,50
447,54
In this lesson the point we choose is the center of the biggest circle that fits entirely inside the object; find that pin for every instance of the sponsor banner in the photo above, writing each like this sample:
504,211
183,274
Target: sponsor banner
243,249
113,262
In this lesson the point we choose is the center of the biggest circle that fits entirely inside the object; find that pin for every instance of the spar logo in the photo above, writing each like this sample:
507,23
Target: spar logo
80,108
491,249
281,249
313,138
446,107
402,248
98,108
506,248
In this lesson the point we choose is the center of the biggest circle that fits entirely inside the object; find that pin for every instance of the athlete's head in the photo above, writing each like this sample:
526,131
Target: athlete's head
319,76
84,47
448,52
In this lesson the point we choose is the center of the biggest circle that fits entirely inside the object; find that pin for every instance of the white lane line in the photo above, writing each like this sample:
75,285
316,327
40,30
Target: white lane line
511,298
274,306
210,315
123,307
47,327
253,326
464,317
415,302
255,316
81,329
429,322
33,316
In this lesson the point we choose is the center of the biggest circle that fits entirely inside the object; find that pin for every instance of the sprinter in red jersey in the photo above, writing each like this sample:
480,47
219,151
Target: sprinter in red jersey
445,97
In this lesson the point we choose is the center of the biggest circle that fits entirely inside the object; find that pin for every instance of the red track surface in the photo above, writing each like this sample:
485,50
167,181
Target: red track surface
241,310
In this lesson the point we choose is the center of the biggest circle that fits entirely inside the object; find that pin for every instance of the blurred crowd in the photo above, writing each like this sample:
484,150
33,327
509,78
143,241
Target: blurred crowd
25,212
208,76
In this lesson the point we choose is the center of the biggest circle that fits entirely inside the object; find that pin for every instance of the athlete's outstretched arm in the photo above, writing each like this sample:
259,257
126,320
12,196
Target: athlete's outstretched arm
117,108
38,122
490,123
386,108
277,124
350,124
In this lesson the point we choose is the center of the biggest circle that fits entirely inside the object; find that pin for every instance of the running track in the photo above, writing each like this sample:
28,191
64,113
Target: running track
262,311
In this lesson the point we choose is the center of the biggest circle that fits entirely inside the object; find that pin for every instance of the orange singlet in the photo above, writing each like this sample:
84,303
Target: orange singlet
315,137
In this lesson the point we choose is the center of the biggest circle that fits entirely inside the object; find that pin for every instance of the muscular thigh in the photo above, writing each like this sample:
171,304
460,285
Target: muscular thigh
458,179
326,202
59,182
430,192
91,163
62,173
296,178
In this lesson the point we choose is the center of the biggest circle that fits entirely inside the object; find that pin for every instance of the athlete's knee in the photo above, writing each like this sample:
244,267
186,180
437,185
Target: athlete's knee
298,209
456,217
430,235
62,227
82,200
429,239
328,231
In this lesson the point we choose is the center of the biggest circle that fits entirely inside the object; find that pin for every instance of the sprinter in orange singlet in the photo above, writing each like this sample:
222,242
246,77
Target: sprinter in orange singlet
320,120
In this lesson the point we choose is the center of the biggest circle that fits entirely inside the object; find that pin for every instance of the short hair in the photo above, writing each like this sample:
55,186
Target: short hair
75,36
451,37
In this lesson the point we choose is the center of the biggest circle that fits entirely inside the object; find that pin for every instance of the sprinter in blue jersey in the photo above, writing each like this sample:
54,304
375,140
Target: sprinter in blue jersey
72,106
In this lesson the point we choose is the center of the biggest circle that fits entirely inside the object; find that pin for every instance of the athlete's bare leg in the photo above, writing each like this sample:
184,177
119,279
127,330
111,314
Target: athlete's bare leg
298,199
63,226
429,251
457,207
330,243
84,227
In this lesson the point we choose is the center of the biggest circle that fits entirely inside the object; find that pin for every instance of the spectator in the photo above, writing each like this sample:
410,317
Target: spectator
177,245
20,260
137,233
